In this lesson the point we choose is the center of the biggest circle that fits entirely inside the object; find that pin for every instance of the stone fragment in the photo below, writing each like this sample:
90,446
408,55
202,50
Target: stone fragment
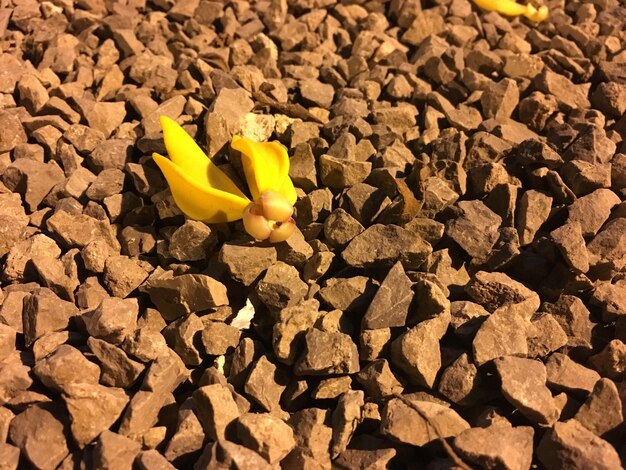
269,436
496,446
502,334
39,436
93,409
390,305
281,286
77,231
43,313
327,353
122,275
246,263
265,385
460,382
393,244
105,116
117,369
12,132
217,410
317,93
611,361
182,335
66,366
419,422
568,95
574,318
225,454
495,290
378,380
142,412
10,455
115,451
113,320
14,379
593,210
192,241
152,460
312,433
607,250
339,173
565,375
524,386
219,338
187,293
345,419
602,411
189,435
500,101
544,335
347,294
417,351
611,298
476,229
569,239
466,318
331,388
340,227
569,444
532,211
32,179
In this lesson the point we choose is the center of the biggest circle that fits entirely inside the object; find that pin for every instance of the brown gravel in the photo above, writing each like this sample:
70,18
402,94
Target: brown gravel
454,294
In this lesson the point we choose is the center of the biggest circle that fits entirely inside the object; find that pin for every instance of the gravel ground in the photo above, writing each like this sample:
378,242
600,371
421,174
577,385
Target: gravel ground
454,295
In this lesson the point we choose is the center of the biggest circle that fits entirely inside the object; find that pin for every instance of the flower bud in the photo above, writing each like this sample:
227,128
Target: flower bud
283,231
275,206
255,223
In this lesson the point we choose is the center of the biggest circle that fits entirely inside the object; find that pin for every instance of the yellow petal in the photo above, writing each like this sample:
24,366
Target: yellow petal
200,202
266,166
192,161
512,8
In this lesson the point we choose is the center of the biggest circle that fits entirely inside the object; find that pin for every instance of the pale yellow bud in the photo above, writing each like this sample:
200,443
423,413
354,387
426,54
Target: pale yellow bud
275,206
283,231
255,223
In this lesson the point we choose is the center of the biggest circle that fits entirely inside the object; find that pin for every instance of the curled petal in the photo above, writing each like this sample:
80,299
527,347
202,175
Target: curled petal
192,161
198,201
512,8
266,166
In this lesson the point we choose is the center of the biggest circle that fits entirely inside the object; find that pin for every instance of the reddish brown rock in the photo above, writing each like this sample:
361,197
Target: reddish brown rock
327,353
269,436
497,446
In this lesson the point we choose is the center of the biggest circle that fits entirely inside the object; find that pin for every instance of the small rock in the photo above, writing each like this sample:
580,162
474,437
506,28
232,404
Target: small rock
523,385
500,101
602,412
269,436
568,376
532,211
390,305
476,229
225,454
182,336
611,361
152,460
40,437
593,210
495,290
43,313
317,93
192,241
331,388
187,293
281,286
219,338
288,332
417,351
502,334
460,381
393,244
570,444
32,179
246,263
217,410
569,239
122,275
312,432
420,423
65,366
327,353
544,335
378,380
345,419
118,370
497,446
114,451
93,409
573,317
265,385
113,320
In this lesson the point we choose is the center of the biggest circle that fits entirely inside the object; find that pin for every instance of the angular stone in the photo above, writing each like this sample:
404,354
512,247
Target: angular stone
189,435
265,385
77,231
340,227
544,335
312,432
607,250
460,381
417,352
611,361
10,455
93,409
192,241
32,179
217,410
345,419
593,210
113,320
497,446
289,330
118,370
225,454
219,338
524,386
66,366
393,244
502,334
187,293
114,451
476,229
183,335
40,437
339,173
246,263
152,460
327,353
565,375
122,275
500,101
378,380
611,298
419,423
532,211
569,239
43,313
281,286
574,318
14,379
569,444
568,95
466,318
390,305
495,290
269,436
602,412
142,412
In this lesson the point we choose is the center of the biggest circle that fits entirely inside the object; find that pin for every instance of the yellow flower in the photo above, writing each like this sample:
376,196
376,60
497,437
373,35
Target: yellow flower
204,192
512,8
